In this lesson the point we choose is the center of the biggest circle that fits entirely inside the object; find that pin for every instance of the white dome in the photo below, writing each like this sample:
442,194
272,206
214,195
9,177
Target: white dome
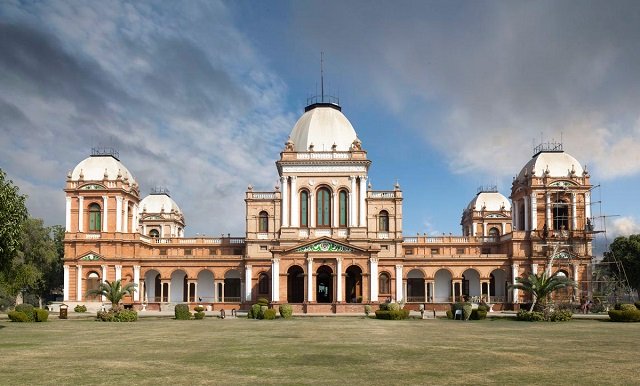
491,201
94,168
157,203
559,164
323,126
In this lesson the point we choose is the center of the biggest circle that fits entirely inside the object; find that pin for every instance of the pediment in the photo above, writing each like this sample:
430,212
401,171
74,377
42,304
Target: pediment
324,245
91,256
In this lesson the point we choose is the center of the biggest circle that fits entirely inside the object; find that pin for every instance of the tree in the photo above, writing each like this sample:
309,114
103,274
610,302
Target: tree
542,285
113,291
13,213
625,250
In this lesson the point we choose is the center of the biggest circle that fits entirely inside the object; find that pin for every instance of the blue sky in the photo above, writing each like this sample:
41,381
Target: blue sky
200,96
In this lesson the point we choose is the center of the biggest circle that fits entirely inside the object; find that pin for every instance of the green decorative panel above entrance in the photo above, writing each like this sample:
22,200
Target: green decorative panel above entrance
90,257
324,246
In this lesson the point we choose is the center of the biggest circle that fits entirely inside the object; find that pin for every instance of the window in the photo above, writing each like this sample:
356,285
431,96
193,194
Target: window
95,218
459,251
304,209
188,252
494,232
263,283
408,251
384,247
486,251
560,216
323,208
435,251
343,208
384,282
383,221
263,247
162,252
154,233
263,222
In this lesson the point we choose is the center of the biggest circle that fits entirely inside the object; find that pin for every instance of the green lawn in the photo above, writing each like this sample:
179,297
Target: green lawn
327,350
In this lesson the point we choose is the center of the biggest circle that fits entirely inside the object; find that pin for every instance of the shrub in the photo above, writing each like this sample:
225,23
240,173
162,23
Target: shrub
199,315
41,315
255,311
533,316
117,315
560,316
619,306
199,309
18,316
28,310
637,304
483,307
625,315
80,308
105,316
466,310
449,314
269,314
392,314
478,314
393,307
263,301
286,311
367,309
182,312
598,307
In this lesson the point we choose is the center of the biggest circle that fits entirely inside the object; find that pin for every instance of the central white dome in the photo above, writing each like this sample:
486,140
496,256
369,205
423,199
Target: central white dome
97,168
323,126
558,164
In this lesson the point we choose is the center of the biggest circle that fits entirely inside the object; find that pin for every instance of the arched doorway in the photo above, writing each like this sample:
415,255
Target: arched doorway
471,283
232,286
353,284
497,286
205,286
415,286
295,284
442,286
324,284
178,286
93,282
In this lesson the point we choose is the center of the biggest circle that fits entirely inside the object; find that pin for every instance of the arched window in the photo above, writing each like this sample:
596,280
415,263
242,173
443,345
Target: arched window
384,282
263,222
343,208
494,232
95,217
263,283
154,233
560,215
323,208
93,282
304,209
383,221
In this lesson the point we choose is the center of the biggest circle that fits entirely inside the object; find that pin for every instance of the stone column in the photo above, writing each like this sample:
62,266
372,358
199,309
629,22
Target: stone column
547,206
373,282
453,290
247,281
484,229
363,204
78,282
473,229
309,279
285,201
574,217
67,223
312,210
534,268
515,216
104,278
295,201
275,279
514,275
587,205
399,294
527,206
339,291
125,217
105,213
118,214
352,202
118,272
534,212
136,281
575,275
504,228
334,210
135,218
65,285
80,214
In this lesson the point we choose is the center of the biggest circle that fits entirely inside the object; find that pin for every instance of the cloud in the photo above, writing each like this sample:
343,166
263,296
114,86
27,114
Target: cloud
623,226
177,89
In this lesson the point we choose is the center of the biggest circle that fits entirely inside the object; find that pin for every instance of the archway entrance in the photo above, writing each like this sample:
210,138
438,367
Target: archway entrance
353,287
471,283
415,286
324,285
295,284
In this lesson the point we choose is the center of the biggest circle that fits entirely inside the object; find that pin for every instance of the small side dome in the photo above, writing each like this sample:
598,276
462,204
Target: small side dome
100,167
554,164
159,202
489,201
323,127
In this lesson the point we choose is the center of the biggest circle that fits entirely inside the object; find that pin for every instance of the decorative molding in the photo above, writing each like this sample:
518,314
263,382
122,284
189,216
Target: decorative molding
323,169
93,187
563,183
324,246
91,257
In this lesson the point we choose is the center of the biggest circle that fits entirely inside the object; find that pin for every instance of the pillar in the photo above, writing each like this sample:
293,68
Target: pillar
125,217
534,268
373,282
295,201
352,202
504,228
534,212
363,195
473,229
339,291
105,213
312,209
453,290
104,278
67,223
514,275
309,279
136,281
574,217
118,214
527,212
65,288
135,218
587,205
78,282
334,210
118,272
275,279
484,229
399,294
547,206
247,281
80,214
284,183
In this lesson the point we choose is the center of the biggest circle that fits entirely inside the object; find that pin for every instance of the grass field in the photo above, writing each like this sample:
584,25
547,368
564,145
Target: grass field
328,350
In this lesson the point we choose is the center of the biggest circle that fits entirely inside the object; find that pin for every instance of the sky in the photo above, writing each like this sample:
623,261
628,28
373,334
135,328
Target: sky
200,96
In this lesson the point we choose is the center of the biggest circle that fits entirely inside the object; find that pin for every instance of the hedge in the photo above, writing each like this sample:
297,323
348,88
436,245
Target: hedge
182,312
199,315
80,308
627,315
41,315
28,310
17,316
269,314
286,311
118,315
392,314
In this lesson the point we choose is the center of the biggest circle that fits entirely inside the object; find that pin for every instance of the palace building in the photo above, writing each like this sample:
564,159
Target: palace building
324,241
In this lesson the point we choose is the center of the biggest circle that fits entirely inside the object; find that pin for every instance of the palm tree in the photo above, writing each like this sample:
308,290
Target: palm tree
542,285
113,291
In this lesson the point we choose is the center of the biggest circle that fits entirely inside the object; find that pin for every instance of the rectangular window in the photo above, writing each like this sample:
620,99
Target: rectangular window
188,252
212,251
263,247
435,251
384,247
460,251
408,251
304,210
162,252
237,251
486,251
